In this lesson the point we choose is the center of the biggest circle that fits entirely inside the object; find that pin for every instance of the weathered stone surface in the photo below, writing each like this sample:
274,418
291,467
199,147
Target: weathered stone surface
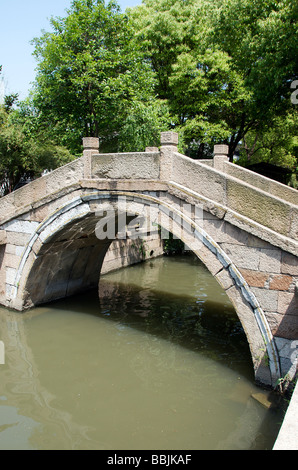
270,260
169,138
260,206
11,260
221,149
17,238
224,279
21,226
268,299
243,256
293,232
247,236
254,278
280,282
91,143
126,166
3,237
289,264
285,326
268,185
10,275
198,177
219,162
288,303
254,335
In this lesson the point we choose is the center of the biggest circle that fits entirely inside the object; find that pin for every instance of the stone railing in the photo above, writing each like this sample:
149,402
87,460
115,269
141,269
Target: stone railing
266,202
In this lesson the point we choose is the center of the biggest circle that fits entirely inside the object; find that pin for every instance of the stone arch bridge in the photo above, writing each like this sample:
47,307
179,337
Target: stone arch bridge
241,225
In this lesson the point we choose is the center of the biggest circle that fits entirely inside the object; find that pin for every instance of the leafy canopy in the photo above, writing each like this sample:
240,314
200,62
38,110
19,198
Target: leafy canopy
91,72
224,66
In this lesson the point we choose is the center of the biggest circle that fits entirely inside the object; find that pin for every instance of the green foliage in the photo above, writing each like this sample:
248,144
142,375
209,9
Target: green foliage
215,71
24,153
91,72
9,101
143,125
277,144
173,246
225,67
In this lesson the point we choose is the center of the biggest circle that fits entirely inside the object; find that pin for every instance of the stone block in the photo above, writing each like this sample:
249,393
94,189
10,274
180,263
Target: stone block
267,299
11,261
210,260
39,214
219,162
287,348
3,237
27,195
10,276
259,206
257,242
274,320
289,264
126,166
63,177
287,303
293,233
199,178
221,149
91,143
169,138
270,260
254,335
16,238
283,326
224,232
21,226
19,250
254,278
224,278
243,256
280,282
10,249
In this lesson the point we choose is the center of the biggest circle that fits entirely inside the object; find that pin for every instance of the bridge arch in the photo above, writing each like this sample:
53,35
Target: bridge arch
64,256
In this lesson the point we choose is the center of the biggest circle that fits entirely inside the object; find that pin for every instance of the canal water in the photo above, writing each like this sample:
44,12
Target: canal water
158,362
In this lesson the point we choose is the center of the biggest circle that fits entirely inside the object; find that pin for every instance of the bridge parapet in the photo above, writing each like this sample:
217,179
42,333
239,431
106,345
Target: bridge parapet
235,196
231,188
274,188
35,194
249,237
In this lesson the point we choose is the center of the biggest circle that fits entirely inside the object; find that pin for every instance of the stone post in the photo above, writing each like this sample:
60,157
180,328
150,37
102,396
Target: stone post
169,145
221,153
91,147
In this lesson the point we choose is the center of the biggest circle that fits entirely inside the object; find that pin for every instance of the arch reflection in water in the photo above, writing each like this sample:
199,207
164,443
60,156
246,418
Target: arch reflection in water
177,299
160,362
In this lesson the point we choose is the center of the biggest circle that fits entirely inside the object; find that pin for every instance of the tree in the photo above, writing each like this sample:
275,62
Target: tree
224,66
25,151
90,72
22,156
143,126
277,144
261,39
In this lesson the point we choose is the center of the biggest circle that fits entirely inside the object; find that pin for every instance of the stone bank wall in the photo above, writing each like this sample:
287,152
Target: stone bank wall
127,252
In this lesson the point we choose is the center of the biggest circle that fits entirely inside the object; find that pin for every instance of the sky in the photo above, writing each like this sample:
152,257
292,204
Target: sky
20,22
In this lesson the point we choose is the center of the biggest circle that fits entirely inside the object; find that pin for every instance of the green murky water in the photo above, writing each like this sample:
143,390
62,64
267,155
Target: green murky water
160,362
